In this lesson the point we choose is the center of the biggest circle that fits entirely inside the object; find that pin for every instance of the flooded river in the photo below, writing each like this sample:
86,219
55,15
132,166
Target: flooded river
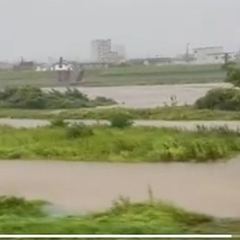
79,187
149,96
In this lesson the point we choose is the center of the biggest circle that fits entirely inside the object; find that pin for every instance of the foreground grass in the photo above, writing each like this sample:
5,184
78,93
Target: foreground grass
183,113
123,217
134,144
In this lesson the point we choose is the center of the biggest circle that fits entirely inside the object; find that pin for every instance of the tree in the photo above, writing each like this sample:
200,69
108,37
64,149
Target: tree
233,73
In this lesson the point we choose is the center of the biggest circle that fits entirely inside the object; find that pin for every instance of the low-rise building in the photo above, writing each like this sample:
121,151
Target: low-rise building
212,55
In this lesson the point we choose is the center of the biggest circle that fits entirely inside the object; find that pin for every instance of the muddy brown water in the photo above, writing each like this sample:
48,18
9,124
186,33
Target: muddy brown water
81,187
149,96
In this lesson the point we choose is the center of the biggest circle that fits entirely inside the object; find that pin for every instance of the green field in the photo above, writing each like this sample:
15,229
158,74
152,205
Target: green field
19,216
116,76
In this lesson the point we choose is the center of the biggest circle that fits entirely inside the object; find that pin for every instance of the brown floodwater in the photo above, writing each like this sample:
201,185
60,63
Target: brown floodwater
79,187
150,96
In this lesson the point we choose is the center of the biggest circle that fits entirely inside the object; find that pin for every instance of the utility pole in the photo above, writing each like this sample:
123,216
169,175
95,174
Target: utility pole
187,52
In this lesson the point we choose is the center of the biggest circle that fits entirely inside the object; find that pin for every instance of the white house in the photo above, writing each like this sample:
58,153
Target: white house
65,66
220,57
212,55
42,68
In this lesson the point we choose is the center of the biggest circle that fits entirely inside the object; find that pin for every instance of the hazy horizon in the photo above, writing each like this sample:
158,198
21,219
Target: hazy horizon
42,28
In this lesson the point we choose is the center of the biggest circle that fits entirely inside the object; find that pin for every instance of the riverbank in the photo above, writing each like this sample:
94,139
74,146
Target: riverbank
181,113
119,76
108,144
24,217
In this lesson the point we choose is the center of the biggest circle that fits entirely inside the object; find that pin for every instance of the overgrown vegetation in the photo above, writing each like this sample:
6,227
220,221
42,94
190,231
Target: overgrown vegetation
121,120
227,99
220,99
28,97
161,113
78,131
132,144
15,206
124,217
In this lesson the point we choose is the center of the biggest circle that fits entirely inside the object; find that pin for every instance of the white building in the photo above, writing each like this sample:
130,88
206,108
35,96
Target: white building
100,50
65,66
212,55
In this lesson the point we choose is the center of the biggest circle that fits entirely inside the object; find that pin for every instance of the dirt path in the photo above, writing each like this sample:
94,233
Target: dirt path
78,187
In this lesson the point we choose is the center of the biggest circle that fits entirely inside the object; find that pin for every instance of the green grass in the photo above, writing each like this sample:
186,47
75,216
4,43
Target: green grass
178,69
124,217
133,144
183,113
120,76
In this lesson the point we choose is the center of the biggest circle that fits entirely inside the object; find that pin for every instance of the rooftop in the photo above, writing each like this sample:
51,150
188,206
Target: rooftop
203,48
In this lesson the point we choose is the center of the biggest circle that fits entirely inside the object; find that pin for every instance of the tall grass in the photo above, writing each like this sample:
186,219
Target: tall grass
138,144
176,113
124,217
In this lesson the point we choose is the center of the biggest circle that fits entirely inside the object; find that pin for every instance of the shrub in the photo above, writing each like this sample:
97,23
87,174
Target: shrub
233,73
28,97
220,99
10,205
78,130
58,122
121,120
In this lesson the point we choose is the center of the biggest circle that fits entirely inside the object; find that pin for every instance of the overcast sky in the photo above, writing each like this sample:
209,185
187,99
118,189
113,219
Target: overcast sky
37,29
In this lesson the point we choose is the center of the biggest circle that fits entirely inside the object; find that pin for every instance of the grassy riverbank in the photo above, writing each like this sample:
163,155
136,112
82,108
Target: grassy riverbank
133,144
24,217
162,113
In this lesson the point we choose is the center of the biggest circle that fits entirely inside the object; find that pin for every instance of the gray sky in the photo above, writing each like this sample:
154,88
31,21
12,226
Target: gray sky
37,29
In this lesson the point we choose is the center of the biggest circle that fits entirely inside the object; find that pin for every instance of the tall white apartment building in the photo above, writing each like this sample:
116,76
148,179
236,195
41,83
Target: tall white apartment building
101,50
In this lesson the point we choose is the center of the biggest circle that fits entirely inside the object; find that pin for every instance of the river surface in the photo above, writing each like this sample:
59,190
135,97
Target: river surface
149,96
81,187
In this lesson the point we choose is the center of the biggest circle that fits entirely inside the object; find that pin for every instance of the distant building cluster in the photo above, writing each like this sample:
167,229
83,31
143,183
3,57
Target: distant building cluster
104,55
102,51
199,56
62,65
213,55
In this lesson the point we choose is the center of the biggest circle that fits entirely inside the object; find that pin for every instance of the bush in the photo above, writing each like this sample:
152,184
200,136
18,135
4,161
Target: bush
77,130
10,205
233,73
58,122
28,97
220,99
121,120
